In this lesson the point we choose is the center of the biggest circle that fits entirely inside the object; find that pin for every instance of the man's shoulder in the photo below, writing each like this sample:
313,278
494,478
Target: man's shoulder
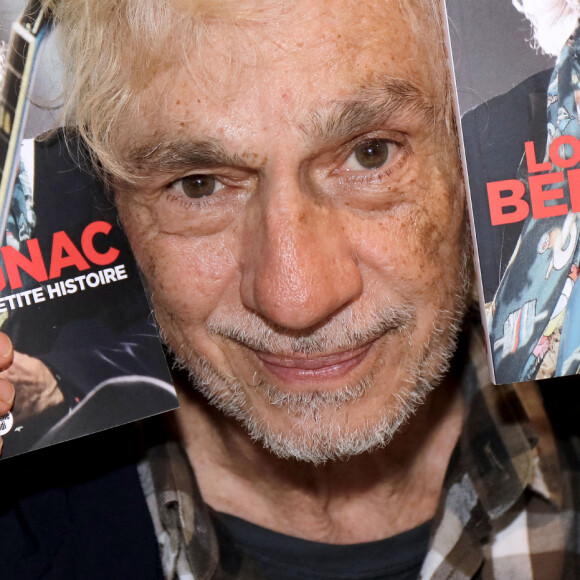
509,108
77,510
495,131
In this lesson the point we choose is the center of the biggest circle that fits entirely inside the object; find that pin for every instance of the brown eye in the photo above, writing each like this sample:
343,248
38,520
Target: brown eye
197,186
372,154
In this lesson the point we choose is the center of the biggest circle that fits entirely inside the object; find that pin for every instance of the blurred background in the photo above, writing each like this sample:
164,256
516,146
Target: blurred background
44,111
496,38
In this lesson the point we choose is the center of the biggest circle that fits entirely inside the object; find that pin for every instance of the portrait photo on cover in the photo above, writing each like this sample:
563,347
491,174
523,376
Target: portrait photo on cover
87,355
522,159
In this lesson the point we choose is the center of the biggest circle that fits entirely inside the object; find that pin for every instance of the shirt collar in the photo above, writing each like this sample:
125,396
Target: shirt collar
506,445
188,544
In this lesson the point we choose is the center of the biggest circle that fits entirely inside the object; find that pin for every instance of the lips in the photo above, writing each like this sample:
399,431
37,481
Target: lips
309,368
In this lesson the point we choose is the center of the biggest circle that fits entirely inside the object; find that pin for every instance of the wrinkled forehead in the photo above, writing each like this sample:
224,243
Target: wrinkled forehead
299,55
265,73
322,34
323,38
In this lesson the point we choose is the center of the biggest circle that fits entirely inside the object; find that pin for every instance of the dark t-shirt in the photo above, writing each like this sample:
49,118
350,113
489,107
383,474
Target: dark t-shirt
284,557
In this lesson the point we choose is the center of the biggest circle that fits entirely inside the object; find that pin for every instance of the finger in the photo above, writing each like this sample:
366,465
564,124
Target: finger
7,393
6,351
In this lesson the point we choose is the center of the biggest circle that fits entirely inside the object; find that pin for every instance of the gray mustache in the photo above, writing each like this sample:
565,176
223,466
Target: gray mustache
345,331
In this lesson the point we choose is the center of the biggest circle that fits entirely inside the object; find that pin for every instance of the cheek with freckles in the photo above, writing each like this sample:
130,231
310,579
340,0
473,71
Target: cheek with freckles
187,277
417,247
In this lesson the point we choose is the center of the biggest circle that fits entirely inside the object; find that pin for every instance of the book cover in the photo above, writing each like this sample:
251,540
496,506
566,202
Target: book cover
517,75
87,352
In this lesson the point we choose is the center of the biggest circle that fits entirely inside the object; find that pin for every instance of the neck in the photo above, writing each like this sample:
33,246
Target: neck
368,497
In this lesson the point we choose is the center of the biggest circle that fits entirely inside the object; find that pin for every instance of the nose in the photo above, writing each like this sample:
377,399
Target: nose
299,266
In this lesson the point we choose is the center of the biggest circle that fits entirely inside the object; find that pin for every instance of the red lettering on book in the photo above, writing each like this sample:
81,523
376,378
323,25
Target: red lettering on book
498,202
533,165
574,187
539,196
87,243
555,151
13,260
64,254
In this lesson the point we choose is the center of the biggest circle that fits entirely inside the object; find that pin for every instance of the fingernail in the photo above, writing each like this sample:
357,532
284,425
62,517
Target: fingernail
5,345
7,393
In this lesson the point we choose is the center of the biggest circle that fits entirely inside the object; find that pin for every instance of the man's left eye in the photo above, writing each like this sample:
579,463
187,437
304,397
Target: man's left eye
370,154
197,186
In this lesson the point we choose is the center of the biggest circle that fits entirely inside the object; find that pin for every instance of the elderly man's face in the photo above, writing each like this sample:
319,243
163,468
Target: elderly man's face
301,220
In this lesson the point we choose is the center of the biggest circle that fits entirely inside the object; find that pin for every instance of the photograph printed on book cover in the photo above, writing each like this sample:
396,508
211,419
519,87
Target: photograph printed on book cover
87,352
517,74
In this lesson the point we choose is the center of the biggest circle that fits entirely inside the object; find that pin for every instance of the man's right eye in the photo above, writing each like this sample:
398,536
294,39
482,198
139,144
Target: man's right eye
372,154
197,186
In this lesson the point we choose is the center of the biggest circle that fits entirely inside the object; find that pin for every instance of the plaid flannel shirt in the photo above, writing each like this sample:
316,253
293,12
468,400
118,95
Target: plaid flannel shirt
508,508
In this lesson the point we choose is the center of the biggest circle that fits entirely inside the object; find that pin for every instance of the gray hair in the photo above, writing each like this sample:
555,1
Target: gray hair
111,49
553,21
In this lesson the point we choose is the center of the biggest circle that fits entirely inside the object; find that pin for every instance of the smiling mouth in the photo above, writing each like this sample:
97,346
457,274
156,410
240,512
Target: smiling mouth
314,368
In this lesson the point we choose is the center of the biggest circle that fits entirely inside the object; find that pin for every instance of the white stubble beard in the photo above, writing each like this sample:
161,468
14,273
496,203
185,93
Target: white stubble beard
317,435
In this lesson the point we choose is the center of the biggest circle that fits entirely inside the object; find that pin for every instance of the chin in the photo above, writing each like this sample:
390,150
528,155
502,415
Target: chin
322,435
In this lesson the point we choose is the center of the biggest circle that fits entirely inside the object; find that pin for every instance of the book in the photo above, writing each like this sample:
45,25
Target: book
87,352
518,105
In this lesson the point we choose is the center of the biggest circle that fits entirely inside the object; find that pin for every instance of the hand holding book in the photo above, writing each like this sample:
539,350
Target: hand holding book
7,391
36,387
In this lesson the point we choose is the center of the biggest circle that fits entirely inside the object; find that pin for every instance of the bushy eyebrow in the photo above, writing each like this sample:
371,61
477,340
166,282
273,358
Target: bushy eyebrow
164,154
372,105
369,106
